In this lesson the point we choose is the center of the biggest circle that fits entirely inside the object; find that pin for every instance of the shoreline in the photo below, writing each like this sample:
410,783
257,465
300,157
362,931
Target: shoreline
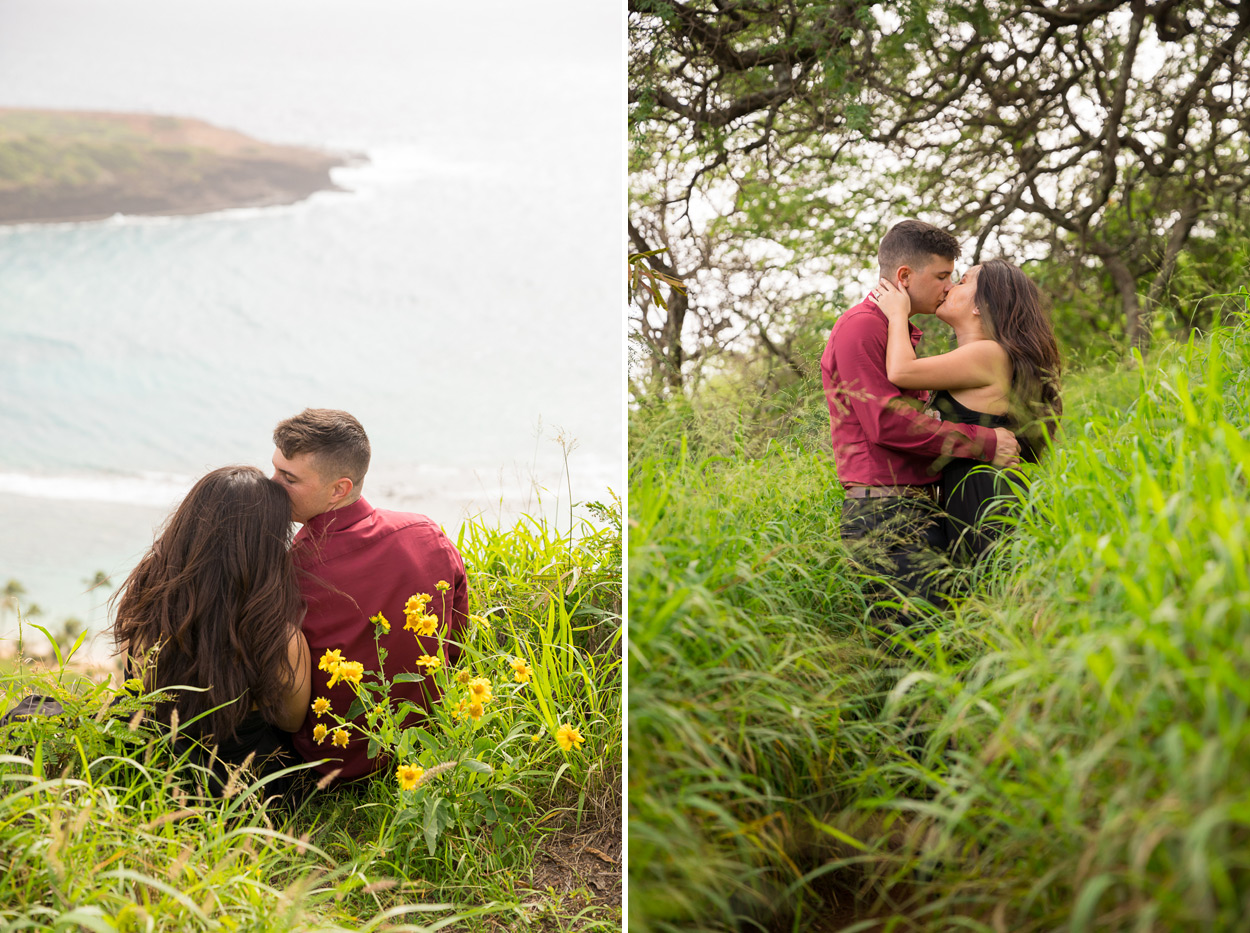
68,166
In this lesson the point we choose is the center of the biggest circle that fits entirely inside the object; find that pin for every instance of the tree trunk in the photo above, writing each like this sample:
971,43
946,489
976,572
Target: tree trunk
1135,328
673,357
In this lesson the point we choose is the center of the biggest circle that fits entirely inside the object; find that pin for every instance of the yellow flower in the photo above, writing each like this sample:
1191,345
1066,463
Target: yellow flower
480,620
417,603
351,671
567,737
381,622
425,624
442,586
320,705
463,677
408,775
461,708
536,736
522,668
330,661
319,733
431,664
475,711
339,738
480,691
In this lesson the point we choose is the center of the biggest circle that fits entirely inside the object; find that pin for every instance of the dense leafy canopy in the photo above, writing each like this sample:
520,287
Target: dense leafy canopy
773,141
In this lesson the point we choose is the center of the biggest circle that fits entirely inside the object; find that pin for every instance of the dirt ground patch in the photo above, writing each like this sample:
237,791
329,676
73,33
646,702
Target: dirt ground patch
578,870
587,859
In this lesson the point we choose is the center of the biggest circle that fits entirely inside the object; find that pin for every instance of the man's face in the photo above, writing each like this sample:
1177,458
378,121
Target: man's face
927,287
310,494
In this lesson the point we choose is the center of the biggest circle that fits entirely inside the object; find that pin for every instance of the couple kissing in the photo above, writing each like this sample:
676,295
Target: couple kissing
912,437
226,602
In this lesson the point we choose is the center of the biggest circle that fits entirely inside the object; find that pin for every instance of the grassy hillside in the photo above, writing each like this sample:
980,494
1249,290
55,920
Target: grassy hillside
102,828
1068,749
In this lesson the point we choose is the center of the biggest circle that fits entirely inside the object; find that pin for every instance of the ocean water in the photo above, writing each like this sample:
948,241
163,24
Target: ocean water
462,297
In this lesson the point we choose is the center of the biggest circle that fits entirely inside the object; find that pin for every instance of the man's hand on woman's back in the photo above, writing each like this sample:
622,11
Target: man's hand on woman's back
1007,453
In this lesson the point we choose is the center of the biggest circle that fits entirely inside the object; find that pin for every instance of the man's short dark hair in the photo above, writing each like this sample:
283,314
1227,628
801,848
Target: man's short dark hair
336,440
913,243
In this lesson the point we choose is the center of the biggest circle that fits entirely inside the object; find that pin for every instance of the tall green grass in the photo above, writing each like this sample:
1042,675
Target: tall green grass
737,682
1068,749
103,827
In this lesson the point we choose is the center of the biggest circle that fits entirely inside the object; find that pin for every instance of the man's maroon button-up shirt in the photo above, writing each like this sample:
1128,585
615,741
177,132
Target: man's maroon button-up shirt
880,438
355,562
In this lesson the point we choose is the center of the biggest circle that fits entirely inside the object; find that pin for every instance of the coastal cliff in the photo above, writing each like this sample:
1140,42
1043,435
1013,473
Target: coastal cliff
60,166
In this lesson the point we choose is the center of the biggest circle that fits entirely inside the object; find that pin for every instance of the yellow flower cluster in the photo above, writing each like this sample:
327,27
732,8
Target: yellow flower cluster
408,776
480,693
567,737
522,670
349,671
416,619
429,662
382,623
339,669
320,706
338,737
442,586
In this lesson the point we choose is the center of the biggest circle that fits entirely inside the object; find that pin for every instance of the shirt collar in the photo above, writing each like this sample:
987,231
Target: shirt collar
338,519
915,331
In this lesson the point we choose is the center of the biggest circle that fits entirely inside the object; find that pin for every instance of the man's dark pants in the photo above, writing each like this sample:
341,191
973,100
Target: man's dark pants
902,540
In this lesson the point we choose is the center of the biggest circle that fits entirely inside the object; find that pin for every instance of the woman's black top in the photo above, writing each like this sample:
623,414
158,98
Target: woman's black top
970,486
269,746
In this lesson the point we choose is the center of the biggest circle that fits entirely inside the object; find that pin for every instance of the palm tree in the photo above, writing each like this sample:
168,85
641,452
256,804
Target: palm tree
71,628
9,604
100,580
9,596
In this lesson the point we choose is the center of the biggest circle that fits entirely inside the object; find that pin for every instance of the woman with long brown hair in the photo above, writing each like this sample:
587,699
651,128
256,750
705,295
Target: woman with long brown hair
214,605
1004,372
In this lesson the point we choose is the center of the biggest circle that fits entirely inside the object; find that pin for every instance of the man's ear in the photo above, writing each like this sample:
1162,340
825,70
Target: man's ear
341,489
903,277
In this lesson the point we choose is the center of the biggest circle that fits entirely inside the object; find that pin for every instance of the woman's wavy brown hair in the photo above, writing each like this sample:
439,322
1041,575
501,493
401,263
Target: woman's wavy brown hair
214,601
1014,315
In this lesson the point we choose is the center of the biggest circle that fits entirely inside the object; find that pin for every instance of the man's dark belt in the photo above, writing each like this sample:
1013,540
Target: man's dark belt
892,492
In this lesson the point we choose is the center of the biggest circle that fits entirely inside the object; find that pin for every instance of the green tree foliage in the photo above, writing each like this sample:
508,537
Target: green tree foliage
774,143
730,107
1104,135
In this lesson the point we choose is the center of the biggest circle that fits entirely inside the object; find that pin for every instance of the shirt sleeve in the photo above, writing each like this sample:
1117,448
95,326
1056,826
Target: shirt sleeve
887,417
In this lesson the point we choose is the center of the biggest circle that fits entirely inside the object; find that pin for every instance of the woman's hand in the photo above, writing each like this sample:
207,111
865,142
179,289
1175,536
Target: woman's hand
892,300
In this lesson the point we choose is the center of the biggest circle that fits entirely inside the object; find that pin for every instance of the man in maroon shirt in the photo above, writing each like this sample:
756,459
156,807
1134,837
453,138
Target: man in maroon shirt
889,453
357,561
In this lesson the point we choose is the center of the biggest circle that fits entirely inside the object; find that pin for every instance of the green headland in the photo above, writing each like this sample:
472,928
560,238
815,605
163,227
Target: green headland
70,165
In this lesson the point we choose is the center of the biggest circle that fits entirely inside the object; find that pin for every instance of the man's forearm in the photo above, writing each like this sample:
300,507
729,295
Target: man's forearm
903,429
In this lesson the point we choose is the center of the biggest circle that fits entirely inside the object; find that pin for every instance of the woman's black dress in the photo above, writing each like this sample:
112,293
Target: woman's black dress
970,486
